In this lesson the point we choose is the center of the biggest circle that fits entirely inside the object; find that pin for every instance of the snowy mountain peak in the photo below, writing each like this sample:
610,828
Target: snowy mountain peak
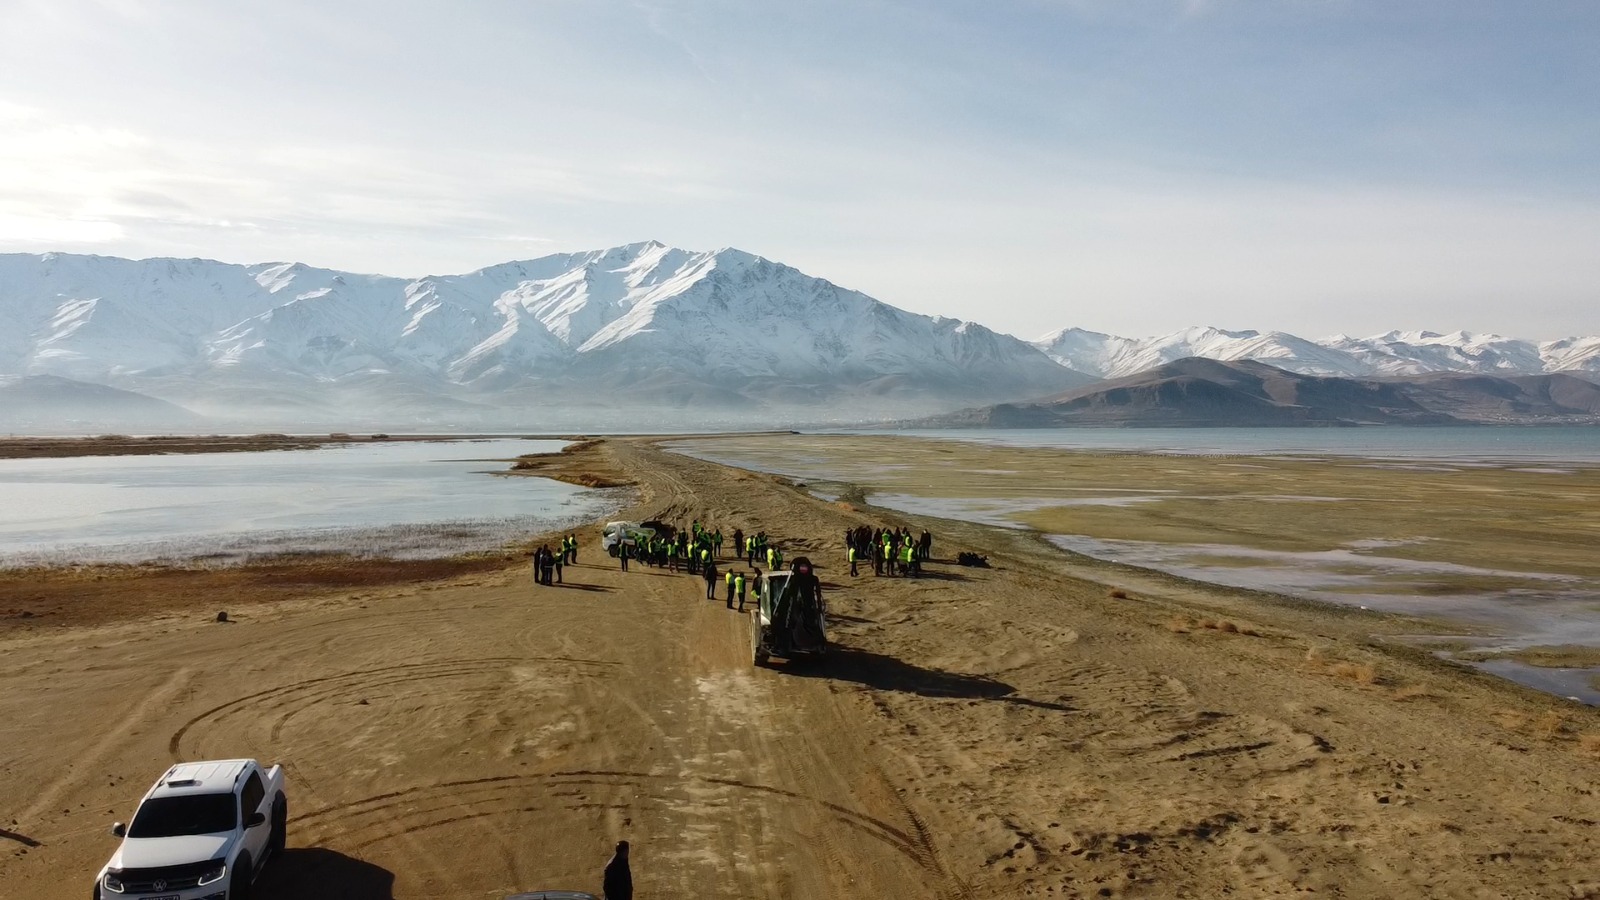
642,317
1390,353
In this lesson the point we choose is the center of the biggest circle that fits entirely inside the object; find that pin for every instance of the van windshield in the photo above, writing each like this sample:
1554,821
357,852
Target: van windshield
161,817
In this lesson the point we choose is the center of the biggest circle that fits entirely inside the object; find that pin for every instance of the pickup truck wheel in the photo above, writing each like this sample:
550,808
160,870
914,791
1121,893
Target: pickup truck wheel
280,827
239,884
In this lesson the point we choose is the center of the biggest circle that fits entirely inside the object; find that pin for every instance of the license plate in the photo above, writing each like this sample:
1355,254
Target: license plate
163,897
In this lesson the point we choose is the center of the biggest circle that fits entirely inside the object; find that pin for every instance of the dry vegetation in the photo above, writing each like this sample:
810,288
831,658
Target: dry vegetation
84,595
1461,515
1318,661
587,463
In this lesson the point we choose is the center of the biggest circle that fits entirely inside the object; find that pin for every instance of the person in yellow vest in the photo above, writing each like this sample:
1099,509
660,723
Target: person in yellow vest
738,587
888,559
852,554
729,579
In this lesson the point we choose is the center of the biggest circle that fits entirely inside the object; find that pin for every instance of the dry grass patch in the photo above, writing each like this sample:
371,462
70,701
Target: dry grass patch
1179,625
1511,719
1550,725
1411,692
1360,673
1222,625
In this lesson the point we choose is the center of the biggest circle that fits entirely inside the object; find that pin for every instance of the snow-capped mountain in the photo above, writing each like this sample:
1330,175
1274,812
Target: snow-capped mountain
1394,353
642,324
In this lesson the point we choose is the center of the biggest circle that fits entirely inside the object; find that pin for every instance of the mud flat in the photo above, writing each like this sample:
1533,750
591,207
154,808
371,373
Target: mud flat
1021,730
1495,551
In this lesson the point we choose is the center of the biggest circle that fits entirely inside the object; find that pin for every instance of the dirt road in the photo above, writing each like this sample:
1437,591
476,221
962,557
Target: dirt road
983,733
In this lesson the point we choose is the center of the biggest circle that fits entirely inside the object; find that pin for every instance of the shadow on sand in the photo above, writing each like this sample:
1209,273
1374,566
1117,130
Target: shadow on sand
885,673
303,872
572,586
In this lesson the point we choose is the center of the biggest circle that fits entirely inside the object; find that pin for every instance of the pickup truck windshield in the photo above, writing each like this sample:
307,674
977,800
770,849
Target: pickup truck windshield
161,817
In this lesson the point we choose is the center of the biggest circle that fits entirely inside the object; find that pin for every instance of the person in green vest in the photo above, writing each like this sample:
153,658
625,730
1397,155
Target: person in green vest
716,542
729,579
906,553
738,587
852,554
888,559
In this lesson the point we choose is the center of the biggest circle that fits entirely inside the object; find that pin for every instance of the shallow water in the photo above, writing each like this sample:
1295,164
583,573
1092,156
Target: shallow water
1531,609
411,498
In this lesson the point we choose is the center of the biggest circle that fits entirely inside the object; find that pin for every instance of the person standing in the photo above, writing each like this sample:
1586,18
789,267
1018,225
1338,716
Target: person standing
617,883
622,554
559,561
738,588
710,572
716,542
738,542
729,579
852,553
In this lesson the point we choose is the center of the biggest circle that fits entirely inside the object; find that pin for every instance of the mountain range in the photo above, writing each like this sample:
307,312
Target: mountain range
642,335
1393,353
642,329
1208,392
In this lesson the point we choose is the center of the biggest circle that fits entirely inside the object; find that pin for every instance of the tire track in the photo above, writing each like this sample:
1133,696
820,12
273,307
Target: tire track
397,807
78,768
300,695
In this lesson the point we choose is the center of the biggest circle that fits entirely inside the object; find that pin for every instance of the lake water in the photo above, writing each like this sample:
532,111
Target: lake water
402,499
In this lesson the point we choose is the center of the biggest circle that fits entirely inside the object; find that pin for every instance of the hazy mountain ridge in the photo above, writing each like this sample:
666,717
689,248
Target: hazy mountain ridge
1392,353
640,325
607,337
1204,392
49,402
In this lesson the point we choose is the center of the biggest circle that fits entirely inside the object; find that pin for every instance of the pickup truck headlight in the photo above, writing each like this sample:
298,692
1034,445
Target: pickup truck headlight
214,874
113,883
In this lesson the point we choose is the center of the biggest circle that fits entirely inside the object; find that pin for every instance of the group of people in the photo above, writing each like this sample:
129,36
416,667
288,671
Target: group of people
891,551
691,550
547,564
697,550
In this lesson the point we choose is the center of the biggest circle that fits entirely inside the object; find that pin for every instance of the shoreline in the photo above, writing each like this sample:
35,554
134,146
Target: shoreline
1138,734
582,462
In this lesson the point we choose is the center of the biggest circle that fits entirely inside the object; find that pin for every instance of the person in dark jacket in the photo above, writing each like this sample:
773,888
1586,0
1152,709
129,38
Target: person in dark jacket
618,884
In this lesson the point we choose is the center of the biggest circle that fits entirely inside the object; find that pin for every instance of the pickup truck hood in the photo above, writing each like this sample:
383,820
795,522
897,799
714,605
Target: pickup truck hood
151,853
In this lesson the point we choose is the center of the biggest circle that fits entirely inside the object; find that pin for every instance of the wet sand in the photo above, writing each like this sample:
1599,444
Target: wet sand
1047,727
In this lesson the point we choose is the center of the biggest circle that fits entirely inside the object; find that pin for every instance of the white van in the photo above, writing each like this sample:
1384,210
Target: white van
630,533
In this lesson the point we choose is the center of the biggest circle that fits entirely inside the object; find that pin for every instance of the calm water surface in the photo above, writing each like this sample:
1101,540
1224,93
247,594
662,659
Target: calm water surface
399,499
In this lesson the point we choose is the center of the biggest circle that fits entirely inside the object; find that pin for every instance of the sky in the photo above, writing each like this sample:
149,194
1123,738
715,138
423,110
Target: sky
1129,166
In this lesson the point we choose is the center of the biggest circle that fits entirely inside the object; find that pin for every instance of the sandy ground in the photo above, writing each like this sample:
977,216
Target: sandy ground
1007,732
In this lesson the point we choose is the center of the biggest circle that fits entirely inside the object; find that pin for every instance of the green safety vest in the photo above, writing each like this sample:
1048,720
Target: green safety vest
738,583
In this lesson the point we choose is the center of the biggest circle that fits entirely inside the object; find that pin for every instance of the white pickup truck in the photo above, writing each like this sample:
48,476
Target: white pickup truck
202,833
